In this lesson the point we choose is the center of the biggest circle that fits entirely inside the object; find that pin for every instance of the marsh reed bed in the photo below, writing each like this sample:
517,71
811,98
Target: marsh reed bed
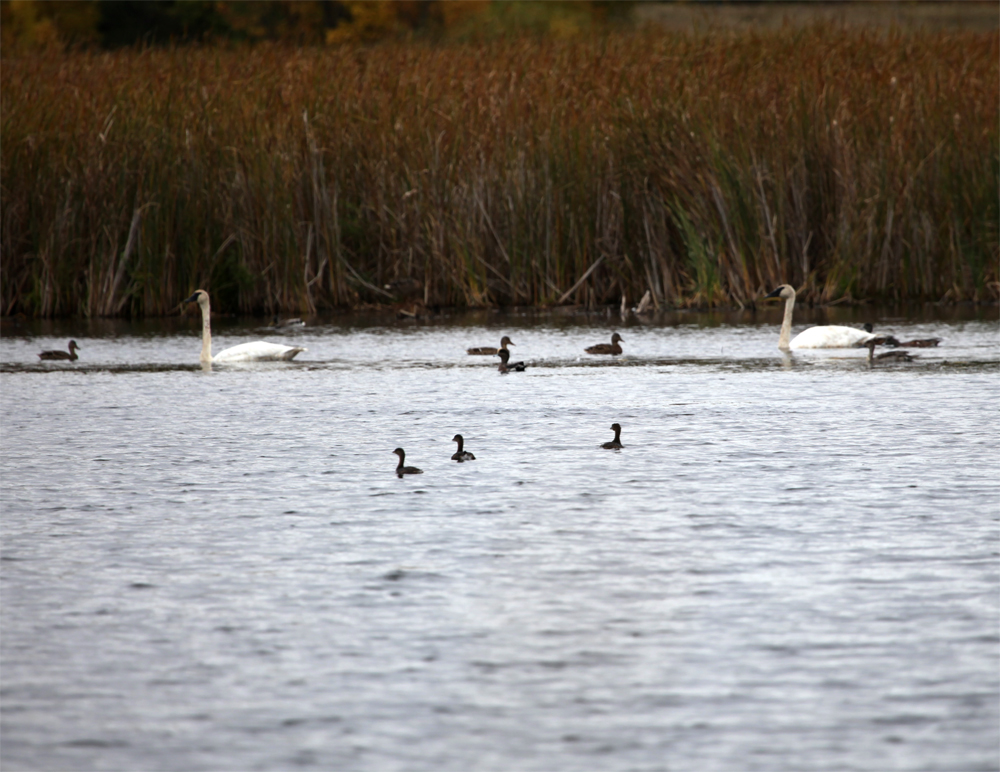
705,168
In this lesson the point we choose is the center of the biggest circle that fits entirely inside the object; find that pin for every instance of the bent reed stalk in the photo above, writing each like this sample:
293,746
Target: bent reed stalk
706,168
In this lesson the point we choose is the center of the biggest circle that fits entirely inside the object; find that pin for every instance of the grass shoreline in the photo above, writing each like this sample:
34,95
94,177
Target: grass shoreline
705,168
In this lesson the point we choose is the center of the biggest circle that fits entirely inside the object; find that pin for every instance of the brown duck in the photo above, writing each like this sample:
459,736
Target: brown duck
895,355
70,355
607,348
889,340
489,350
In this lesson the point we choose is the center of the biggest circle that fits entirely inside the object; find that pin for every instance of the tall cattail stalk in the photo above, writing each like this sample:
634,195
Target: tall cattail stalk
704,168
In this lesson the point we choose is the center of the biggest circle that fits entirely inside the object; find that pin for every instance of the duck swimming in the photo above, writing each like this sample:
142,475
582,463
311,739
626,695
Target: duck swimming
607,348
400,469
517,367
56,354
489,350
258,351
616,443
461,455
889,340
280,324
898,355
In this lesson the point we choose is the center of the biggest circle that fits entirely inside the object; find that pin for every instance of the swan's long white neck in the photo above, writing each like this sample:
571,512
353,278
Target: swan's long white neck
206,328
786,324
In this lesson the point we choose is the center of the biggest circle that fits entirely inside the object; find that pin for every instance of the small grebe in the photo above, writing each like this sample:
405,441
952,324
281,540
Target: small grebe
400,469
616,443
461,455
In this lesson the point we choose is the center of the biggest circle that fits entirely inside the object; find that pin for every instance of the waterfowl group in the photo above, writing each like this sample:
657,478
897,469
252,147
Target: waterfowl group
890,340
257,351
822,336
489,350
63,355
837,336
506,366
462,455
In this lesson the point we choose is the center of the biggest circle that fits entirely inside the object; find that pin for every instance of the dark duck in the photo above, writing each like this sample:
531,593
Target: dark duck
616,443
889,340
894,355
489,350
505,367
56,354
278,323
400,468
607,348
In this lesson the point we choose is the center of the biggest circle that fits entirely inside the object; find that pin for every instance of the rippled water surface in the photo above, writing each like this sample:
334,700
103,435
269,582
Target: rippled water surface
792,564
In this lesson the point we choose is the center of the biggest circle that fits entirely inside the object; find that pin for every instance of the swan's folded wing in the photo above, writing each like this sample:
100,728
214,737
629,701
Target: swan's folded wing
257,351
831,336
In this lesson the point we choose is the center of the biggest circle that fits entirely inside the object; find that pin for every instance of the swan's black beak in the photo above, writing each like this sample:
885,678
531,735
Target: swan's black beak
774,293
193,298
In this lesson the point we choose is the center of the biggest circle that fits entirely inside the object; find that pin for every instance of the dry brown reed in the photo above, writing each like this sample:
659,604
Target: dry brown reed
706,168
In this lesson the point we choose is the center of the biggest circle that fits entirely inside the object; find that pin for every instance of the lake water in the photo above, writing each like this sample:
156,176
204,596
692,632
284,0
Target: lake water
791,566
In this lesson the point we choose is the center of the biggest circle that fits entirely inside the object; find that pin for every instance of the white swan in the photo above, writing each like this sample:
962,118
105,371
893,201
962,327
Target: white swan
258,351
825,336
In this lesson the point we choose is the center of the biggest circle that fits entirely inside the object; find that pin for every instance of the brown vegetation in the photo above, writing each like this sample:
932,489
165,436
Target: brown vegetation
706,168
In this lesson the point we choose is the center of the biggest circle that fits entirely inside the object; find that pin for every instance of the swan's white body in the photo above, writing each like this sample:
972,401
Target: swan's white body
831,336
825,336
257,351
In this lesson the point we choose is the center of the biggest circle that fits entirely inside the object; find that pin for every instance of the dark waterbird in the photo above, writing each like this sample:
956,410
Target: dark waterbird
607,348
889,340
517,367
280,324
489,350
896,355
400,469
56,354
616,443
461,455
